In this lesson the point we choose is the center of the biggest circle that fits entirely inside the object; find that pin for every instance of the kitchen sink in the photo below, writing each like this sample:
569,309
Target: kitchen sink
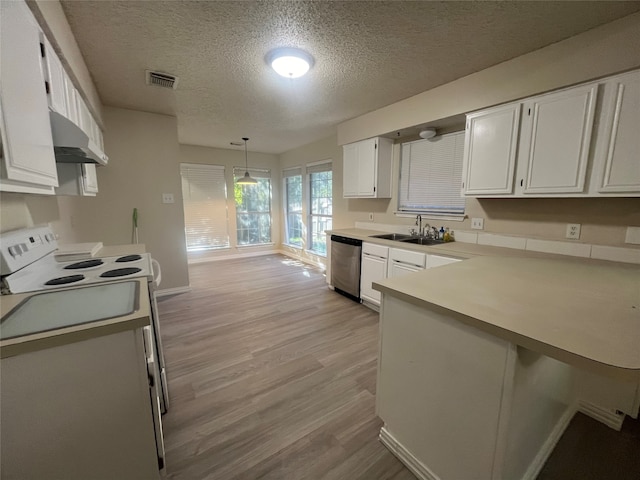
393,236
422,241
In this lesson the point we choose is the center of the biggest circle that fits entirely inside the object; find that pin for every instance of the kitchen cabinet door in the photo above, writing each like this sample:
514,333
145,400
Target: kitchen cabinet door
56,94
490,149
367,168
350,170
84,116
373,269
618,146
70,99
89,179
27,147
556,140
397,269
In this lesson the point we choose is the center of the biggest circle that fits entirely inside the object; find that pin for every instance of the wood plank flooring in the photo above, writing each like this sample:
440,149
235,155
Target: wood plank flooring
271,376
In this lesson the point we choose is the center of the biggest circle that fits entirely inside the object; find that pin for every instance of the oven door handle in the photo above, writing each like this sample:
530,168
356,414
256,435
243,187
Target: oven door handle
157,272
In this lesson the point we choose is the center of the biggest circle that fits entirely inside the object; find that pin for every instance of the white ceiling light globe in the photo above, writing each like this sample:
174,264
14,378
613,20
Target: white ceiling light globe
289,62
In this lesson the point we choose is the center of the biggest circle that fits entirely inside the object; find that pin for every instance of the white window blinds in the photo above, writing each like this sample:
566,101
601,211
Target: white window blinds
292,172
431,174
238,172
204,192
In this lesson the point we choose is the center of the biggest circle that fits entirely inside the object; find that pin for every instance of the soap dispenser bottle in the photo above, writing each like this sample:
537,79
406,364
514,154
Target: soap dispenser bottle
441,233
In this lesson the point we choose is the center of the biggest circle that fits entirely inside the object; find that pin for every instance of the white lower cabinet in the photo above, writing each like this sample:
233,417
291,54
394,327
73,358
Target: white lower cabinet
403,262
373,268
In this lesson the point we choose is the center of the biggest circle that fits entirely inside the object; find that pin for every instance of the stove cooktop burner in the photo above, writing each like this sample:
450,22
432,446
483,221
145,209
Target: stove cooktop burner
65,280
84,264
128,258
120,272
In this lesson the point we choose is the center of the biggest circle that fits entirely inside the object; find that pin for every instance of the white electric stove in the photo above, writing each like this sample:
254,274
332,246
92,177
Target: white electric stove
28,264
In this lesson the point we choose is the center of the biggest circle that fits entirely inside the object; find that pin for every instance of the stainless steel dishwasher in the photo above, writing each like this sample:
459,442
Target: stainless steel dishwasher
345,266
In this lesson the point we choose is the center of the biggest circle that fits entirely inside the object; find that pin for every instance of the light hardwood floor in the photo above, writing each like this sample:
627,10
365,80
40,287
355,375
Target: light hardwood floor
271,375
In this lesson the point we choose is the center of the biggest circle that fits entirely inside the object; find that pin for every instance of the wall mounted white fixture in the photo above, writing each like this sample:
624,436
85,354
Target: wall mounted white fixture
428,133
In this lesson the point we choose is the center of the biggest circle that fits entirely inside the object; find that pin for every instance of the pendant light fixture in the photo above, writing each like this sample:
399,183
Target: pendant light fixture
246,180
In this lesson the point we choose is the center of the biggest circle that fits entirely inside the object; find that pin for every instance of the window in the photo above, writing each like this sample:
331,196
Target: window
293,228
253,207
204,193
320,205
431,176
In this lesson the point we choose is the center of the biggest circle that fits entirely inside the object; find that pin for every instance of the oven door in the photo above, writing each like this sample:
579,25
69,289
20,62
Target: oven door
154,387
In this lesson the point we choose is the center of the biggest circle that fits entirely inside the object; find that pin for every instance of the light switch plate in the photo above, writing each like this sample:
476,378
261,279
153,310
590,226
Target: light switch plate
477,223
167,198
573,231
633,235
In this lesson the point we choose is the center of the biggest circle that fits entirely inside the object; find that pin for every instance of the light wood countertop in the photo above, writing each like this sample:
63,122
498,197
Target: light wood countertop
460,250
63,336
120,250
581,312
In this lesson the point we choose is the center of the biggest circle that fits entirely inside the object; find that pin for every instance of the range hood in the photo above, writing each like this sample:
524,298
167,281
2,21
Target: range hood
72,145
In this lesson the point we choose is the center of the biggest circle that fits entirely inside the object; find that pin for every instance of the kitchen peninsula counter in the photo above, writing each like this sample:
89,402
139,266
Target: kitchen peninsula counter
484,362
583,314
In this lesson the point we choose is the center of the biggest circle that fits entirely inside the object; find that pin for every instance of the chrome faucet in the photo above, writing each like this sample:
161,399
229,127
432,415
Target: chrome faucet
419,224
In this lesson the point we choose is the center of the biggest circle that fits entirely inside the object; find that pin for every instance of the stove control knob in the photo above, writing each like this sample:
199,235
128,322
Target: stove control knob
24,248
14,250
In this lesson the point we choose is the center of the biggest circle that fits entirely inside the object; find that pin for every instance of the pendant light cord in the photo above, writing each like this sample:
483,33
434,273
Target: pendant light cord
246,161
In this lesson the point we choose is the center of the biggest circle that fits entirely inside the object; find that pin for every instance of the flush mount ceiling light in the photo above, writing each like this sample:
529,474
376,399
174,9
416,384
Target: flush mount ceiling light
289,62
428,133
246,179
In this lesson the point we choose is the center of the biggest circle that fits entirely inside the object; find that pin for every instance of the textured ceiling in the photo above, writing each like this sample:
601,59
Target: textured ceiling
367,55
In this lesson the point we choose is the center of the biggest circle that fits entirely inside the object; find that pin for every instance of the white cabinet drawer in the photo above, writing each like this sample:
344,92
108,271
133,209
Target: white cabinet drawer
376,250
407,256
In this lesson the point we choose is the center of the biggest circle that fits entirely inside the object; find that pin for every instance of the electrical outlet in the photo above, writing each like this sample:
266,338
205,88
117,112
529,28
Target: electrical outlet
573,231
371,216
477,223
167,198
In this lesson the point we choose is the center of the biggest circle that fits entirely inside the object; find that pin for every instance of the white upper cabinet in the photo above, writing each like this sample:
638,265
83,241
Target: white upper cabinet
367,168
555,141
28,162
617,156
581,141
55,78
490,149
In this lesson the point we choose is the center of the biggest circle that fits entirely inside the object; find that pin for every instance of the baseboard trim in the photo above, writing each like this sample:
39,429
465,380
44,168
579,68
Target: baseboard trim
547,447
172,291
609,417
412,463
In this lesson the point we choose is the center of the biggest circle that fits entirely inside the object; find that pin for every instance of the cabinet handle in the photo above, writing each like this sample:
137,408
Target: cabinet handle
521,182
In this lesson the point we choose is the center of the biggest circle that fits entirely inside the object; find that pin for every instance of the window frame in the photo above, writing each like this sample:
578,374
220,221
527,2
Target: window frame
288,173
455,210
313,168
258,174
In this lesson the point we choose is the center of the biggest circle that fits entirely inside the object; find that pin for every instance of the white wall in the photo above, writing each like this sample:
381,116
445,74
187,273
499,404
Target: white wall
605,50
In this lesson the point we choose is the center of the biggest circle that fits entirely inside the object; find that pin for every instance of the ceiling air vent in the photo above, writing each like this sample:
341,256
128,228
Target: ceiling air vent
161,79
